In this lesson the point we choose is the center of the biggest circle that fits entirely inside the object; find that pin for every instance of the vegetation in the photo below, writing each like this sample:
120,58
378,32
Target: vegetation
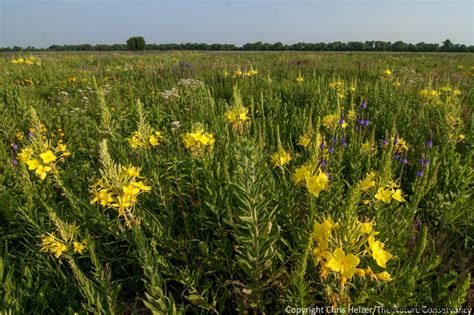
398,46
136,43
194,182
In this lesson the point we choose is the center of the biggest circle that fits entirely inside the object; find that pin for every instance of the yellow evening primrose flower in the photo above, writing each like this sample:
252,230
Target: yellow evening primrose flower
322,231
48,157
299,79
33,164
42,171
380,255
384,276
153,140
304,140
343,264
387,73
300,174
140,185
366,228
317,183
383,194
79,247
51,244
130,190
25,154
280,158
368,182
397,195
103,197
132,171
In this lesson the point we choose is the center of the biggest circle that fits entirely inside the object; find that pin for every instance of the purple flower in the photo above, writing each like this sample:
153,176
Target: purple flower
322,145
30,134
384,142
366,122
419,173
404,161
329,176
360,121
14,146
395,141
363,105
334,140
331,150
343,141
397,156
341,121
429,143
323,162
14,162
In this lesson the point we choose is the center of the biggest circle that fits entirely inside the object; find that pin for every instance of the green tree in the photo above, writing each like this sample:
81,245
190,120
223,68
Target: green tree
136,43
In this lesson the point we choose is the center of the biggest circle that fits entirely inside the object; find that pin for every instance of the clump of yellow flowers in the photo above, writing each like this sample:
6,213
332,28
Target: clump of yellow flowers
339,87
31,60
51,244
281,158
315,181
238,114
385,193
198,141
342,256
41,154
145,140
120,191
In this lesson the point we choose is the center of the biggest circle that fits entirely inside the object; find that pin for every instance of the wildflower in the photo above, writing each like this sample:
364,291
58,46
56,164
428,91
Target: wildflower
330,121
397,195
344,264
33,164
419,173
366,228
48,157
25,154
53,245
321,231
154,139
132,171
387,73
384,276
79,247
103,197
300,174
299,79
368,182
317,183
380,255
363,105
368,147
304,140
42,171
343,123
140,185
383,194
281,158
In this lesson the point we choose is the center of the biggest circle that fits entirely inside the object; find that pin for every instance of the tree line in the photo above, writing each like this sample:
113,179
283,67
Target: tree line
138,43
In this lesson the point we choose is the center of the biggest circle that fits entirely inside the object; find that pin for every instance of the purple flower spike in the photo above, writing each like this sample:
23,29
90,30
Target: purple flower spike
363,105
341,121
396,156
331,150
395,141
424,162
322,146
323,163
343,141
419,173
30,134
334,140
429,143
14,146
404,161
384,142
366,122
14,162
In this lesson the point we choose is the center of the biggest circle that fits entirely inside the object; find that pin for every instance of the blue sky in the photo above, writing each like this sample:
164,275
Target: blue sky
42,23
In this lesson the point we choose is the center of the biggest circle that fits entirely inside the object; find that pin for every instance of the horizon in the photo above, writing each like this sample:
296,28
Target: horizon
42,23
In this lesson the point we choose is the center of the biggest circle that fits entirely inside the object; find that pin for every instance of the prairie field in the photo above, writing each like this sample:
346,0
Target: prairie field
235,182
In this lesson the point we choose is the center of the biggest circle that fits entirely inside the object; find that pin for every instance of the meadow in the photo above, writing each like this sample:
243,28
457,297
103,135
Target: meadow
201,182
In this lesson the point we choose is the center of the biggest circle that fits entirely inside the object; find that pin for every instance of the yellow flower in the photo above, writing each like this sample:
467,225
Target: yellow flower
380,255
79,247
317,183
368,147
330,121
397,195
366,228
300,174
299,79
42,171
304,140
368,182
384,276
33,164
359,272
322,231
140,185
230,116
281,158
48,157
103,196
153,140
25,154
51,244
383,194
132,171
344,264
387,73
130,190
461,137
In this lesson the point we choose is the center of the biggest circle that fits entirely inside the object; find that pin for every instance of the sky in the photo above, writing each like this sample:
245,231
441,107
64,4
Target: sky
41,23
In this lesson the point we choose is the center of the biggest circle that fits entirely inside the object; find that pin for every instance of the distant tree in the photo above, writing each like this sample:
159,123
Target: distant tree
136,43
447,46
